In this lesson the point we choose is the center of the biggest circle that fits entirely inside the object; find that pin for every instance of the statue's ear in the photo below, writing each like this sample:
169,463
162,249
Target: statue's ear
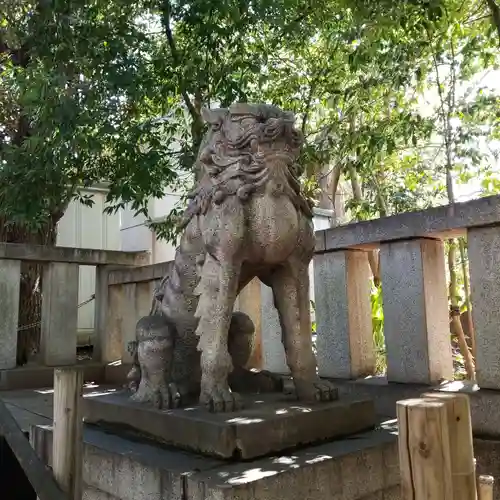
213,117
209,116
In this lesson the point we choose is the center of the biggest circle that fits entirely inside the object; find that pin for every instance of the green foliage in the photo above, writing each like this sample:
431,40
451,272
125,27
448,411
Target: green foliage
112,91
378,329
75,79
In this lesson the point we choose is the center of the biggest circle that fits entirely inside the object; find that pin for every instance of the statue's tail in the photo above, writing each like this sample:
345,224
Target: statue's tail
158,294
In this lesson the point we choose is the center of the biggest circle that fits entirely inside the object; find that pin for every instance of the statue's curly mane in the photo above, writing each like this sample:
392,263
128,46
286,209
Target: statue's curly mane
236,156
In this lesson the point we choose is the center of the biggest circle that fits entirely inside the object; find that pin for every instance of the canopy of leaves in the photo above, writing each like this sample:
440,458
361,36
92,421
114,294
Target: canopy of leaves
112,91
76,79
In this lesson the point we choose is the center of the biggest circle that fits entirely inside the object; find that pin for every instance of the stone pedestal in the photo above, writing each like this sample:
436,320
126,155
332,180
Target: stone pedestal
269,423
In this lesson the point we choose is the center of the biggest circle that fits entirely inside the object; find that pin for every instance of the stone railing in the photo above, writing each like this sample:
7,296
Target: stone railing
60,297
413,273
415,300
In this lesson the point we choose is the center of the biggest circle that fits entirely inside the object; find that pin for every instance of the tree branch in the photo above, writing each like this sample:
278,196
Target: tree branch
165,19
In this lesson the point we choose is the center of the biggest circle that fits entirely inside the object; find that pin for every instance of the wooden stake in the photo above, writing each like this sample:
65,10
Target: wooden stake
67,446
424,450
485,487
461,444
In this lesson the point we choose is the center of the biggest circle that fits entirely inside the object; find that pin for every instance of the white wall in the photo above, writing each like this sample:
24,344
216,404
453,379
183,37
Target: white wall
135,235
88,227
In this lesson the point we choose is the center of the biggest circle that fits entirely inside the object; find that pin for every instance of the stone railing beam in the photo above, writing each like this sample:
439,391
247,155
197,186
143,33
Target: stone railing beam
82,256
440,223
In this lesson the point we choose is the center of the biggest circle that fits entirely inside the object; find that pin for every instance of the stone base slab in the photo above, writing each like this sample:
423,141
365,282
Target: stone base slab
269,423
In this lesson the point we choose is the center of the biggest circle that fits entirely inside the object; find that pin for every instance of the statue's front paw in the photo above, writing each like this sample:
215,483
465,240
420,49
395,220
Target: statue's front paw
219,398
315,390
161,396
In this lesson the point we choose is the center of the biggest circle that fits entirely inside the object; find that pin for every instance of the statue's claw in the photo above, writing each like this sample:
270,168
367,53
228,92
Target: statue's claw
163,397
220,399
315,390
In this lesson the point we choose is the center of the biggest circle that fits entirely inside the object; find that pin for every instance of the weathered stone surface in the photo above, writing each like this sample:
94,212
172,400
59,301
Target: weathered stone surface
59,314
128,470
484,264
343,314
90,493
10,275
269,424
439,222
247,218
416,321
343,470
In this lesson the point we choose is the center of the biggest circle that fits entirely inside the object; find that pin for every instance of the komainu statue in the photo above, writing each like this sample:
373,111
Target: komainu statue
246,218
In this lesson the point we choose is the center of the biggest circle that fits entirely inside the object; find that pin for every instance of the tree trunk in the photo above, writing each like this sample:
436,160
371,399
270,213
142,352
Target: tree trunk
373,255
469,329
495,15
455,312
30,303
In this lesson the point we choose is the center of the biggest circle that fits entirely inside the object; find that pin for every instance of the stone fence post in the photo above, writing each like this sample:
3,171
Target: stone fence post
343,314
484,265
416,320
10,274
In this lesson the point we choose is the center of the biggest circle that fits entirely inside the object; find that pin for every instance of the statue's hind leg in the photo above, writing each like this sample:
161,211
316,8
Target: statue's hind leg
218,289
290,284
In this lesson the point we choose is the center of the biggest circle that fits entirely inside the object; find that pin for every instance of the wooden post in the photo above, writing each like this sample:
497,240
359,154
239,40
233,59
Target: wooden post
485,487
424,450
460,444
67,446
